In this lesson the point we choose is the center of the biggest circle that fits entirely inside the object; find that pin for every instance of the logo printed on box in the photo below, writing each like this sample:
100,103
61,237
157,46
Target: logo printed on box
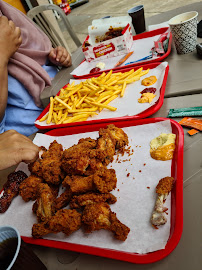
103,49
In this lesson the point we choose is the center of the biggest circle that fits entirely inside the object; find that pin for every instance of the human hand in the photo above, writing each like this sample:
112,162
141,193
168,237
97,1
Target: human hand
10,39
14,148
60,57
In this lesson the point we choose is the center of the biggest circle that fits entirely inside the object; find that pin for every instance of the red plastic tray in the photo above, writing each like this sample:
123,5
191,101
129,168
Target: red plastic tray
141,115
176,199
139,36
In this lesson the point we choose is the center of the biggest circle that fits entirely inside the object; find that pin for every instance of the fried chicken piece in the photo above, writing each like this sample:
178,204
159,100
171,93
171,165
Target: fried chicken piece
105,180
11,189
163,188
51,170
49,166
39,230
35,167
105,147
119,229
90,198
28,188
45,203
63,199
76,159
54,189
65,220
94,165
99,216
96,217
118,136
79,184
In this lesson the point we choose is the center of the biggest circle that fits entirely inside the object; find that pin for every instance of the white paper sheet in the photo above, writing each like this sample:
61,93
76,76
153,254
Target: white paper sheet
140,48
128,105
135,202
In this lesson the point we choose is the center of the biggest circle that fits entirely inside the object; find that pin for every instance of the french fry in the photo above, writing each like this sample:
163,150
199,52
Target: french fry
62,102
104,106
50,111
44,118
78,102
123,89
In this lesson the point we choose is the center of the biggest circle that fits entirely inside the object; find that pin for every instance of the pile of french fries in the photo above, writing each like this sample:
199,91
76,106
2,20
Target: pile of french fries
78,102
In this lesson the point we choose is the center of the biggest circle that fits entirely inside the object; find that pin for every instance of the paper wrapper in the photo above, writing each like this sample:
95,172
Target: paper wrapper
135,202
128,105
141,48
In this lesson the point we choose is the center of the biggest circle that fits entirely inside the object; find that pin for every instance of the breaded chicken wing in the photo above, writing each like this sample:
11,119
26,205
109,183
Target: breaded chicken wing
162,189
49,166
45,203
65,220
118,136
99,216
29,187
11,189
103,180
79,184
76,159
90,198
64,199
105,147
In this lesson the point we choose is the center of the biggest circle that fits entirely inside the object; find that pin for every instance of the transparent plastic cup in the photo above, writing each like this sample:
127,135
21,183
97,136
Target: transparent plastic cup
15,254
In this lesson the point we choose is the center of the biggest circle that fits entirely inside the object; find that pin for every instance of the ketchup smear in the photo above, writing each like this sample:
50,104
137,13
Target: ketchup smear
96,69
149,90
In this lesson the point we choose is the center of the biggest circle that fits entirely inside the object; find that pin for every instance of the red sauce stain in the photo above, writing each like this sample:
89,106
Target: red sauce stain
148,90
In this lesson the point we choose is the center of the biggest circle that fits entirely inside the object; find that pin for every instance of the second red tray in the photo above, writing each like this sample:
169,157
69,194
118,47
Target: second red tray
148,112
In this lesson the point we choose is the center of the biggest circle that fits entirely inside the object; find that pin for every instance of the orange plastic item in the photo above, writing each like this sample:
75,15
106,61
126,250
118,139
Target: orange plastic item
149,81
192,123
192,131
122,60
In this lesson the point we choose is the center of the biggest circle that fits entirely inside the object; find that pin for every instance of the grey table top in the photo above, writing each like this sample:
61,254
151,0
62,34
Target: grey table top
184,76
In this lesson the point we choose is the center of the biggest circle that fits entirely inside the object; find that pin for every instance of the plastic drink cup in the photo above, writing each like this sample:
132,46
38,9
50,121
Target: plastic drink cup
15,254
184,31
138,19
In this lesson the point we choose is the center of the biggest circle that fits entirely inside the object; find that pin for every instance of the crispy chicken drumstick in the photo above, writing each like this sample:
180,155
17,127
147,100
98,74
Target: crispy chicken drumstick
65,220
162,189
99,216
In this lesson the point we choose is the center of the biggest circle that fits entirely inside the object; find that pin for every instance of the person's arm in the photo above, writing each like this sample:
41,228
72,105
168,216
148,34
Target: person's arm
14,148
10,40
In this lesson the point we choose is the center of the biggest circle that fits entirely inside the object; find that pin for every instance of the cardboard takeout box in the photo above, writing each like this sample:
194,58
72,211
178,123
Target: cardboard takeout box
109,48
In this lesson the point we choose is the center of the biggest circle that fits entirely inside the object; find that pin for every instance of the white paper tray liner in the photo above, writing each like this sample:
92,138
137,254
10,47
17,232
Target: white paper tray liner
140,48
135,202
128,105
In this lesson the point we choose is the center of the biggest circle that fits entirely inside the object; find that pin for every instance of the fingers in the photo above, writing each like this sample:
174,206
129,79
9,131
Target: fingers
63,57
52,54
15,147
10,38
11,24
28,156
60,54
